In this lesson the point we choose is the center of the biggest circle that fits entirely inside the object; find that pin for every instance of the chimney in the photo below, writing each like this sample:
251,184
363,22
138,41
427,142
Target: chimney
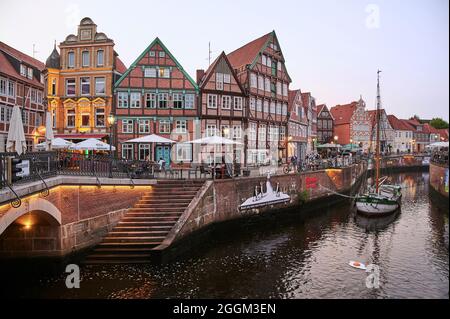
200,74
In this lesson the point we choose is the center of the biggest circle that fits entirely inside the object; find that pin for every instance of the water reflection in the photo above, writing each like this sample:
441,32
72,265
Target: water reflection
302,258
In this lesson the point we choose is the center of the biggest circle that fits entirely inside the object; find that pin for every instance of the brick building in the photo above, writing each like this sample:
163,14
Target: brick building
325,125
297,126
260,68
156,96
222,106
80,81
22,84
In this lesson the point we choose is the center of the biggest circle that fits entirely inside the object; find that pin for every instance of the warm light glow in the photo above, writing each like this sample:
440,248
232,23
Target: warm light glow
335,137
41,130
111,119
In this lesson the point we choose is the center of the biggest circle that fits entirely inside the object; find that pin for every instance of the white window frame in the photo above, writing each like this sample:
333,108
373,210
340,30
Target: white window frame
146,148
150,97
183,152
226,78
177,97
128,148
97,113
84,63
71,114
150,72
135,100
163,123
127,126
100,57
144,126
166,99
212,101
30,73
181,126
261,83
189,101
211,130
97,92
252,104
71,59
122,100
74,86
253,80
259,104
88,84
238,103
267,85
226,102
219,81
237,131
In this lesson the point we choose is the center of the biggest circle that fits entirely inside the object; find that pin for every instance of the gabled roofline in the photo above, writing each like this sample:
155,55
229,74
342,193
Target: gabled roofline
213,66
133,65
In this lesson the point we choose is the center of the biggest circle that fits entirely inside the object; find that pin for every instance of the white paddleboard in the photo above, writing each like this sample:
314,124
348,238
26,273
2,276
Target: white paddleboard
357,264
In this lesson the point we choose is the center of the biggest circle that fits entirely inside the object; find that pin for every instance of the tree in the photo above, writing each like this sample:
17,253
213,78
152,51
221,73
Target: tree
438,123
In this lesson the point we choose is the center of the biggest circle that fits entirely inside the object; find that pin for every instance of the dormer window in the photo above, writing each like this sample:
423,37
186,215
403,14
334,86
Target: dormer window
23,70
30,73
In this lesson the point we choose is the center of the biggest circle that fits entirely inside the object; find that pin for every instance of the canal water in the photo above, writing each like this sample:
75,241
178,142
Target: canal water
304,258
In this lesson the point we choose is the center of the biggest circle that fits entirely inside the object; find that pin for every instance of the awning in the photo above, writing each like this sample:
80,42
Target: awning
80,136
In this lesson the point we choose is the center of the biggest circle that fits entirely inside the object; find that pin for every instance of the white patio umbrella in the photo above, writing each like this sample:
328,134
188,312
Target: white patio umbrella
214,140
153,138
16,137
329,145
48,131
438,144
57,144
92,144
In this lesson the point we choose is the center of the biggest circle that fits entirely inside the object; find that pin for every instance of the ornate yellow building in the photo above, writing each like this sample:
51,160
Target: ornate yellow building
79,83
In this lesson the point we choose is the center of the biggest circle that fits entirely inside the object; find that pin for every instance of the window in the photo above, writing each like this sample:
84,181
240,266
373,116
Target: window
150,72
164,73
212,101
144,152
273,89
122,100
272,107
184,152
164,126
238,103
100,117
282,133
25,117
252,132
284,109
279,89
70,118
85,119
71,59
259,105
279,66
2,86
162,100
181,126
30,73
162,54
54,118
226,78
261,82
144,126
237,132
219,81
269,62
189,101
264,60
266,106
85,58
226,102
2,113
252,103
11,88
127,126
100,86
85,86
33,95
70,87
53,86
127,151
150,100
177,100
267,85
285,89
262,134
152,53
23,70
135,100
100,57
253,80
211,130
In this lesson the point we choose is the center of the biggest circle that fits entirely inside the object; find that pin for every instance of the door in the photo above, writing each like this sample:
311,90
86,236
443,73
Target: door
163,152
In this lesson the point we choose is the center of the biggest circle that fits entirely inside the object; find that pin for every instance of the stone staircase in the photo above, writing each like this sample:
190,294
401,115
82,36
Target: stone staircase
147,224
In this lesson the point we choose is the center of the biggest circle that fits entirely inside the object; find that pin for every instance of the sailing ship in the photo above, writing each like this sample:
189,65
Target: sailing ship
384,198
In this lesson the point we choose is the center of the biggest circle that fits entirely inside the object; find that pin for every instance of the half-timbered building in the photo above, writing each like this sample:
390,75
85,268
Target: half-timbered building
386,131
21,83
222,106
309,104
325,124
297,126
260,68
156,96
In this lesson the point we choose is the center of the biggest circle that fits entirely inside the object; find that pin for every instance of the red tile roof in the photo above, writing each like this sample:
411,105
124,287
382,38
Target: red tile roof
320,108
343,113
291,96
399,125
247,53
120,66
22,56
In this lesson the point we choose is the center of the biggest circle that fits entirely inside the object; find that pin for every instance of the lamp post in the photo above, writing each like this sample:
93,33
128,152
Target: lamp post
351,145
111,121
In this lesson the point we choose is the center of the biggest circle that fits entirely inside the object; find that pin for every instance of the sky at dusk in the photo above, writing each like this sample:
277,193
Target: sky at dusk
332,48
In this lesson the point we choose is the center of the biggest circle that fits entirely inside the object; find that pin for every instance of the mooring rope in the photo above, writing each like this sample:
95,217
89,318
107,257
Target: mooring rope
336,193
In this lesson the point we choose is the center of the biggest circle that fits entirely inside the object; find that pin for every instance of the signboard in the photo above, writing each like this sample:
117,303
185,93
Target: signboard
25,166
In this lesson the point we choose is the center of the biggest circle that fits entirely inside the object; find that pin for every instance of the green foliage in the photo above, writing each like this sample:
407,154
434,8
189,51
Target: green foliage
302,197
438,123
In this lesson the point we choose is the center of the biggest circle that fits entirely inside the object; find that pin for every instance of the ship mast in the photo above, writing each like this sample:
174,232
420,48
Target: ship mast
377,153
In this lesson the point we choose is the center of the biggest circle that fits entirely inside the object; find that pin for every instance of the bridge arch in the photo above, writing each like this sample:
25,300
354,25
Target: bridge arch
33,204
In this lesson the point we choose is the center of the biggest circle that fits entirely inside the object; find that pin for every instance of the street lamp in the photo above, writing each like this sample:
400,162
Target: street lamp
351,145
111,121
